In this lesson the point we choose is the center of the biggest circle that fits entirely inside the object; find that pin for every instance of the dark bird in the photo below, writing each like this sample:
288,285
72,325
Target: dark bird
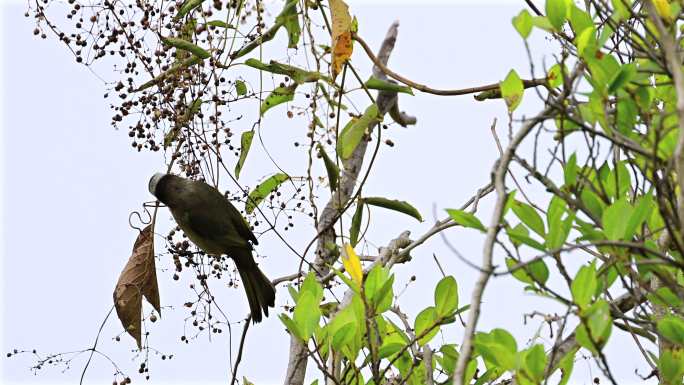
216,227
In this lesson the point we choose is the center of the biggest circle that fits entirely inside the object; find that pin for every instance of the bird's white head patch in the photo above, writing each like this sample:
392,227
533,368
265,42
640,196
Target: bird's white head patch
153,182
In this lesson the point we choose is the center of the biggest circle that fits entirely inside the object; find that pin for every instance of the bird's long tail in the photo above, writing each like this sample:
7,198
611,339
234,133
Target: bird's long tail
260,292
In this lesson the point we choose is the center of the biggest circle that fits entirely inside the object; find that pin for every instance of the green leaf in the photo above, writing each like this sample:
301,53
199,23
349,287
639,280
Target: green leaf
512,90
566,365
245,145
542,22
579,20
331,168
556,11
240,87
641,212
344,335
535,362
220,24
289,18
671,328
293,293
520,235
596,327
671,366
615,219
583,286
356,223
388,349
523,23
558,228
446,296
570,170
176,67
466,219
536,271
278,96
290,325
529,216
353,132
312,286
622,77
664,296
393,204
306,315
378,288
426,320
186,46
555,76
298,75
186,7
385,85
249,47
498,347
620,10
263,189
586,43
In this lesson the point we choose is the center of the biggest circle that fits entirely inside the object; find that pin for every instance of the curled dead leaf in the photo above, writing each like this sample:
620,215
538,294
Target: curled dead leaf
341,35
138,279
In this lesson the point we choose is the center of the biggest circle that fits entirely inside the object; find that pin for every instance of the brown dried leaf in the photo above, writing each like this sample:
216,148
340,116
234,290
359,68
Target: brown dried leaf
341,35
138,279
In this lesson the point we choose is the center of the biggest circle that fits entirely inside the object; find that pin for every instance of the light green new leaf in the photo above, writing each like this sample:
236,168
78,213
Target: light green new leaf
535,362
466,219
523,23
536,271
393,204
290,325
584,285
556,11
263,189
384,85
307,314
446,296
615,219
426,320
641,212
570,170
245,145
353,132
529,216
512,90
520,235
278,96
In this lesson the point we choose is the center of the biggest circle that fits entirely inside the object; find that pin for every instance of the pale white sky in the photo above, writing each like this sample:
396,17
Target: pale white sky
69,181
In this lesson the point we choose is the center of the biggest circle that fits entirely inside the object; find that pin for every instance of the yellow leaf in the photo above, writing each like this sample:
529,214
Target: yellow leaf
663,8
352,264
341,35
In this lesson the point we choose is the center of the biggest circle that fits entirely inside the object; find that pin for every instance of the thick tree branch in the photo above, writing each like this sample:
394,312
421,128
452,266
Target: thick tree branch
297,361
487,268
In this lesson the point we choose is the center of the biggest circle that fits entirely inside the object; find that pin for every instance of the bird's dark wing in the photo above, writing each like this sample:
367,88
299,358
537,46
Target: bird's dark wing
227,210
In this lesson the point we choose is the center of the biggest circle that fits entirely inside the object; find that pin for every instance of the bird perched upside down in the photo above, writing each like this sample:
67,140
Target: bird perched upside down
216,226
